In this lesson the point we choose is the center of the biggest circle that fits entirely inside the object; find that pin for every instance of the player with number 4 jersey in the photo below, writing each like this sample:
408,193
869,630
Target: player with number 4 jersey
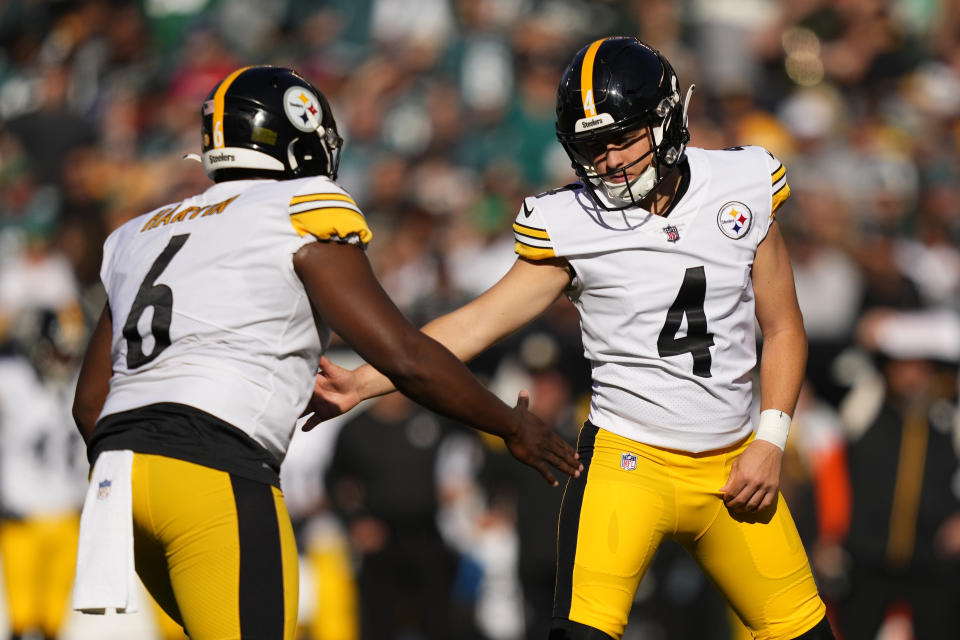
671,256
218,309
677,327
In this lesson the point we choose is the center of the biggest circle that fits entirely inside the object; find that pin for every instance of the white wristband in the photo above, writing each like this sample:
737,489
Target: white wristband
774,427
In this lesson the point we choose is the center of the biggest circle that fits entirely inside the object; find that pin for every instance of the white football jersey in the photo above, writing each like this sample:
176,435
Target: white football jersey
666,303
208,310
43,470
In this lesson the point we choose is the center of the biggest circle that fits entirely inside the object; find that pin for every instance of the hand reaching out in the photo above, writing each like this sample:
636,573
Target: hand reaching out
334,393
535,444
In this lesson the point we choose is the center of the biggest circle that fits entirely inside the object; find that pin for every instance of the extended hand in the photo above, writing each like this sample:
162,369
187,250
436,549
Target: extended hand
334,393
754,479
536,445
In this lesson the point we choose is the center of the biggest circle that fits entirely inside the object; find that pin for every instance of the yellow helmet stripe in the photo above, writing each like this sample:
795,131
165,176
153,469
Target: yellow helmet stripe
217,128
586,79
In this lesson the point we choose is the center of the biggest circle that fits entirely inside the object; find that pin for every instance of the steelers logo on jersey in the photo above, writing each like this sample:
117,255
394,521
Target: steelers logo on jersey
302,109
734,219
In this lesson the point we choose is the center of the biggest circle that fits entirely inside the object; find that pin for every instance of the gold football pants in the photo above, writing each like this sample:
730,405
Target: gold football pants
633,496
39,555
215,550
335,614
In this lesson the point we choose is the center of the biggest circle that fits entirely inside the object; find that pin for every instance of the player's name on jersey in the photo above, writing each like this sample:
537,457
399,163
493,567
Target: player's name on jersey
171,214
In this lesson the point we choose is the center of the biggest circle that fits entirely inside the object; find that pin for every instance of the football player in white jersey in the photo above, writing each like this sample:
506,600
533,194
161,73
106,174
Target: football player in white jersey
42,468
670,254
218,310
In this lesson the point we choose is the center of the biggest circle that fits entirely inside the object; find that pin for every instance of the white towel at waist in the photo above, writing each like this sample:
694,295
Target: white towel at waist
106,576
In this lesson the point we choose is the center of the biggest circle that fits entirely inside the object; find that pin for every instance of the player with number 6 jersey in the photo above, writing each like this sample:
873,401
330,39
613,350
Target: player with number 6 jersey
218,309
671,255
242,355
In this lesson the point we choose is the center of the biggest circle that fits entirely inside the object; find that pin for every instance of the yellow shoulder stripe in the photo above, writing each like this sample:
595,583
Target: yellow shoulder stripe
533,253
530,231
327,222
780,197
315,197
779,173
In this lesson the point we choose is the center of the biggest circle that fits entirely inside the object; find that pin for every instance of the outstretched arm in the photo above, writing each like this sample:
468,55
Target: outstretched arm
521,295
343,289
94,381
755,478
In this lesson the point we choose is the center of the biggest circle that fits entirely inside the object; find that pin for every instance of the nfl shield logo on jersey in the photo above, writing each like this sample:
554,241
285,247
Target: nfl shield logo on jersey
628,461
103,489
673,234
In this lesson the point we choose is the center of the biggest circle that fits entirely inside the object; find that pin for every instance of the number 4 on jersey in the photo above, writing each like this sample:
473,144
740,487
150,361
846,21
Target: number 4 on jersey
698,341
158,296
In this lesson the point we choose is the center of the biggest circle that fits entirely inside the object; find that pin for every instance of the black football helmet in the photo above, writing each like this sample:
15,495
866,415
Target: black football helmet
613,87
268,122
53,340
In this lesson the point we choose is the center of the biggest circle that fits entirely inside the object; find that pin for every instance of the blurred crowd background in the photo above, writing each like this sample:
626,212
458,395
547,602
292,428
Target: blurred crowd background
414,528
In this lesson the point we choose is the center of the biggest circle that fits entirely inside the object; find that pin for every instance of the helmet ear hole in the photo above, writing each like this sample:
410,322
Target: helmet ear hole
309,155
292,164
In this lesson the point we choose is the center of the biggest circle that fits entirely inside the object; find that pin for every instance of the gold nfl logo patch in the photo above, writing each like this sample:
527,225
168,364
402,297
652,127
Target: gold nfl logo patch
628,461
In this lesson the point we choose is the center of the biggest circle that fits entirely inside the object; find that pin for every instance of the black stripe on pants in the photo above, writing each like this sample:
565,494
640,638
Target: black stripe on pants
261,561
569,524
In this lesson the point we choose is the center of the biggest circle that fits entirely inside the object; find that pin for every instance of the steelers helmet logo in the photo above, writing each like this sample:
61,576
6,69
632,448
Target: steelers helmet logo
734,219
302,108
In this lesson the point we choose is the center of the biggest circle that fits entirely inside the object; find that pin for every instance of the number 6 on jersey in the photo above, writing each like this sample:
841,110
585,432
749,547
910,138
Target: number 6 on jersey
158,296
